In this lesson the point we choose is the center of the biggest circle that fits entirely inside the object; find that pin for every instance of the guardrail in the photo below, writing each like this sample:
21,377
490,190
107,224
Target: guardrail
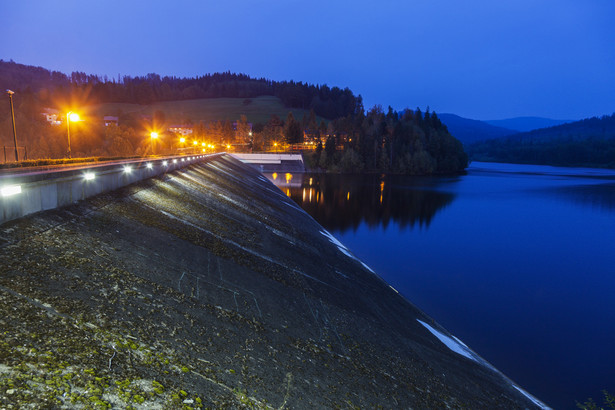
24,192
267,158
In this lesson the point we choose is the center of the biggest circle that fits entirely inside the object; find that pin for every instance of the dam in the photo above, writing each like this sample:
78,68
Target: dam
208,287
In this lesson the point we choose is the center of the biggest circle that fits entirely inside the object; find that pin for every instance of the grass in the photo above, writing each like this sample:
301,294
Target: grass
59,161
259,110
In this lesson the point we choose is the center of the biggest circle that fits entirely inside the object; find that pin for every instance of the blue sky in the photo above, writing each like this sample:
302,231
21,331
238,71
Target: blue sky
480,59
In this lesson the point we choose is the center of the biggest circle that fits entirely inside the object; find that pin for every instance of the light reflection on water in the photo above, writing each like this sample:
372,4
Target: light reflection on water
518,261
344,202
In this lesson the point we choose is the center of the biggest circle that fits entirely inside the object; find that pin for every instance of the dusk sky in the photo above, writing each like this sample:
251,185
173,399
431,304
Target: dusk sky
481,59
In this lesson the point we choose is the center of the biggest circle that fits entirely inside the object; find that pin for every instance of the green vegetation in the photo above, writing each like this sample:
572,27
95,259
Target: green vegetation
406,143
259,110
589,142
61,161
589,404
221,112
55,88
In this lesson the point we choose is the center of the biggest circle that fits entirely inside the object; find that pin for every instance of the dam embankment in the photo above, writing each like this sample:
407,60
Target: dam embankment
208,287
27,191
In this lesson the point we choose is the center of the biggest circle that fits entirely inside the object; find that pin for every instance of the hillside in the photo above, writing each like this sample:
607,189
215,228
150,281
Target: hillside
525,124
257,109
54,89
469,131
351,140
589,142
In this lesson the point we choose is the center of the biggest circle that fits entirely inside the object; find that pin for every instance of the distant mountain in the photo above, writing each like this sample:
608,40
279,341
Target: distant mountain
524,124
589,142
469,131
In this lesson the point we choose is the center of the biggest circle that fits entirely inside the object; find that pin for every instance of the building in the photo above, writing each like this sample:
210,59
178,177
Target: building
109,120
52,116
183,130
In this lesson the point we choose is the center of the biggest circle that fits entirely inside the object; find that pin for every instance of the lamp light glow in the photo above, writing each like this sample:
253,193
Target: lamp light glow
10,190
88,176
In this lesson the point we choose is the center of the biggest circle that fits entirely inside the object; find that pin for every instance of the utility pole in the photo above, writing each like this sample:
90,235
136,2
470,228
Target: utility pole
10,93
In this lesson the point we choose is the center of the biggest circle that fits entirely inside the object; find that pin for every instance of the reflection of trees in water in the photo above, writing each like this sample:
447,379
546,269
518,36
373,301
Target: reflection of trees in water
601,196
341,202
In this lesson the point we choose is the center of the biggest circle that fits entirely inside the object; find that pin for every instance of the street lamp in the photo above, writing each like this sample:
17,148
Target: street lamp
10,93
74,117
153,136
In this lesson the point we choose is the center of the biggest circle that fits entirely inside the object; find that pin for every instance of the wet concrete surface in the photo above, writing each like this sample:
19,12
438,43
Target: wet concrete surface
208,287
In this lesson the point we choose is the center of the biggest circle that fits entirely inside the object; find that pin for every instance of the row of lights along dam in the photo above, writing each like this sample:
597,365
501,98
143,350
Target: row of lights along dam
7,190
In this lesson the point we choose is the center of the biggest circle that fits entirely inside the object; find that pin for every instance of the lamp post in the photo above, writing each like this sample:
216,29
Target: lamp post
153,136
10,93
74,117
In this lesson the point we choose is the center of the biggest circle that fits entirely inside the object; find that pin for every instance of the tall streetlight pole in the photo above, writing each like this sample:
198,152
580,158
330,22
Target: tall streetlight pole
70,116
10,93
153,136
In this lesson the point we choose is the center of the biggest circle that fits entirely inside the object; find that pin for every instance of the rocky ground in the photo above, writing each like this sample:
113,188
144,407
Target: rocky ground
208,288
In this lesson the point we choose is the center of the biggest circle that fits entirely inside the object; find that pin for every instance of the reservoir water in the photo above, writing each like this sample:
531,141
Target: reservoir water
518,261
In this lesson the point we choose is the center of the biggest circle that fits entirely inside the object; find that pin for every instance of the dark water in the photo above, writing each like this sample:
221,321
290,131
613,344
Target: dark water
517,261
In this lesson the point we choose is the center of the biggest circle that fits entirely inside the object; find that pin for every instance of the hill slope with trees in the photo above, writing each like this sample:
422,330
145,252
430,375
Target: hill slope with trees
469,131
589,142
346,137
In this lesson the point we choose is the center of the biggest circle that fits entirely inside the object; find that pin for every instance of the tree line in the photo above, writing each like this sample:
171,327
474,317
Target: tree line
51,86
589,142
407,142
349,140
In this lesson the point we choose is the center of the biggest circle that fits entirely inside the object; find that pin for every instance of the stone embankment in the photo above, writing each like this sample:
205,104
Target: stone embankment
27,191
207,287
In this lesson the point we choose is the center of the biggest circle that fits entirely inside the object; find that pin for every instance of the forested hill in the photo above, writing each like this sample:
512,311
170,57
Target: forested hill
51,86
469,131
589,142
350,140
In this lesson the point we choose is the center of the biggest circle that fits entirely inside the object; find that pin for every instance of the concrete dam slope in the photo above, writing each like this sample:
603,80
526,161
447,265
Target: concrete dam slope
208,287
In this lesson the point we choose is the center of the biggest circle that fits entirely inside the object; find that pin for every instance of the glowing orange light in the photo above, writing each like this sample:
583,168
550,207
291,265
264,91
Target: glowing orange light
74,117
274,176
288,177
154,134
182,140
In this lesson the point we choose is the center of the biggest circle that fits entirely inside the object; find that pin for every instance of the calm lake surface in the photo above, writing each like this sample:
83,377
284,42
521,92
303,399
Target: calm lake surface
518,261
